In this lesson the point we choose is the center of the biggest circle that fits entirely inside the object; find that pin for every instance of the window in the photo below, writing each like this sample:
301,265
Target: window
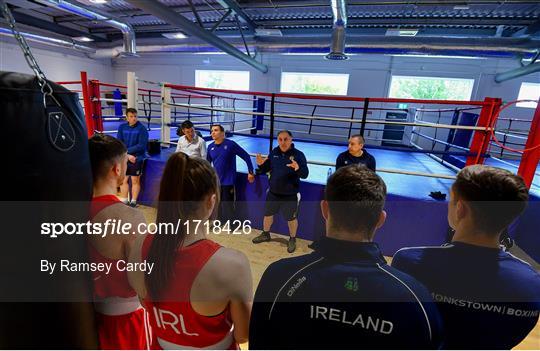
234,80
314,83
432,88
528,91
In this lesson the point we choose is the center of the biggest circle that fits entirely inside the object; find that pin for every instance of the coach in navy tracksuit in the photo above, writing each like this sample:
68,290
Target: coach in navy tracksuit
286,166
356,154
344,295
222,154
135,136
488,298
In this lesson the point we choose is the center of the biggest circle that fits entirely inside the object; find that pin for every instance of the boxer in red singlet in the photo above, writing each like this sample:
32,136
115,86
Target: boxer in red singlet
121,319
199,293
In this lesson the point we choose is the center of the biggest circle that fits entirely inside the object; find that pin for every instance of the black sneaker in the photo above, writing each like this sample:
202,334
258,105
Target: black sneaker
264,236
291,245
133,204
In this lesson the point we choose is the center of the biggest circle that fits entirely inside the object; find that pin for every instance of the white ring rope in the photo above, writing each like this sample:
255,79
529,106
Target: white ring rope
319,118
369,121
383,170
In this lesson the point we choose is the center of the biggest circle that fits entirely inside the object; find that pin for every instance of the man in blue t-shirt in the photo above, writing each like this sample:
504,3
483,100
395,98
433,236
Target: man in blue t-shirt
356,154
344,295
286,165
488,298
135,136
222,154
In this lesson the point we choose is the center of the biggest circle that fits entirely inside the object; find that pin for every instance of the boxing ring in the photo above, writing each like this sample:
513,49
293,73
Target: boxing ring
419,146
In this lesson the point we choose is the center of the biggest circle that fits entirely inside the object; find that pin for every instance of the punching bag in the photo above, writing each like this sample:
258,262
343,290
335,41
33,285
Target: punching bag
47,179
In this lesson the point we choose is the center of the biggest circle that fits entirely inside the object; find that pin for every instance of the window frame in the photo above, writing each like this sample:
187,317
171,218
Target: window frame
471,80
248,73
314,74
527,104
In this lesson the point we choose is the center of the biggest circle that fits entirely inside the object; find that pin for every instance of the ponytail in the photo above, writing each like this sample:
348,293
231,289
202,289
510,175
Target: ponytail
185,183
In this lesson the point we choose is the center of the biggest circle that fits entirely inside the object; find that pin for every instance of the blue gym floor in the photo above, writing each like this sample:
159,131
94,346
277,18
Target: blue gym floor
398,184
408,186
414,218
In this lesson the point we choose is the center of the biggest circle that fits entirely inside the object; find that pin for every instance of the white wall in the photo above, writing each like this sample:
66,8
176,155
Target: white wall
370,75
57,65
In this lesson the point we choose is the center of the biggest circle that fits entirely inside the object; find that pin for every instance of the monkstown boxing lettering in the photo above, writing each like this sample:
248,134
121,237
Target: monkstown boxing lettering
468,304
502,309
523,313
167,319
365,322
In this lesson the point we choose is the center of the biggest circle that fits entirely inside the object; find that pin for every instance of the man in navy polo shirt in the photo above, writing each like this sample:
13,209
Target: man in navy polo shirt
344,295
135,136
222,154
286,165
356,154
488,298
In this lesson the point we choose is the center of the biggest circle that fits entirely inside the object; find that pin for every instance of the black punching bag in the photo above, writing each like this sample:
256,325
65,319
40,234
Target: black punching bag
46,178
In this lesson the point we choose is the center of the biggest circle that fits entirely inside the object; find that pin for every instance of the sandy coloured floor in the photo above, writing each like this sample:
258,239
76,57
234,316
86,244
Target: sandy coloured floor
261,255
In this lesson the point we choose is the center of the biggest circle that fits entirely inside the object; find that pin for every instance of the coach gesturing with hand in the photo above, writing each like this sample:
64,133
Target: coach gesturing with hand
286,166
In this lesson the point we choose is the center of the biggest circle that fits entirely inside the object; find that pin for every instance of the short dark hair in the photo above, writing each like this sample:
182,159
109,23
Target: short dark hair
186,125
359,137
131,109
496,196
105,151
356,197
217,125
284,131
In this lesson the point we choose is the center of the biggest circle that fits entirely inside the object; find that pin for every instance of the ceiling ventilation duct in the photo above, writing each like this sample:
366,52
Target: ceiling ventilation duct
337,49
163,12
127,30
66,44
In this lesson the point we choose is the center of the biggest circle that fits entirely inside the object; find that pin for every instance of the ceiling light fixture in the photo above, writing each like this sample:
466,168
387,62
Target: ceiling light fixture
98,2
178,35
397,32
268,32
438,56
309,54
83,39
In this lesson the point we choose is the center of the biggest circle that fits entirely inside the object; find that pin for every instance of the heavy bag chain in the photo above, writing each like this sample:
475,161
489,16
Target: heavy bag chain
43,83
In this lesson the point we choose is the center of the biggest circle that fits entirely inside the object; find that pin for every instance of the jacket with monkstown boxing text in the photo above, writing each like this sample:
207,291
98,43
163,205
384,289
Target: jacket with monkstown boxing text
488,298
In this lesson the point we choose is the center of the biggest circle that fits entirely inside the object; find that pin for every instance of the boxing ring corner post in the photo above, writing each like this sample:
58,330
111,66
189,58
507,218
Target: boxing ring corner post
132,90
530,159
165,116
87,104
481,138
272,120
95,94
